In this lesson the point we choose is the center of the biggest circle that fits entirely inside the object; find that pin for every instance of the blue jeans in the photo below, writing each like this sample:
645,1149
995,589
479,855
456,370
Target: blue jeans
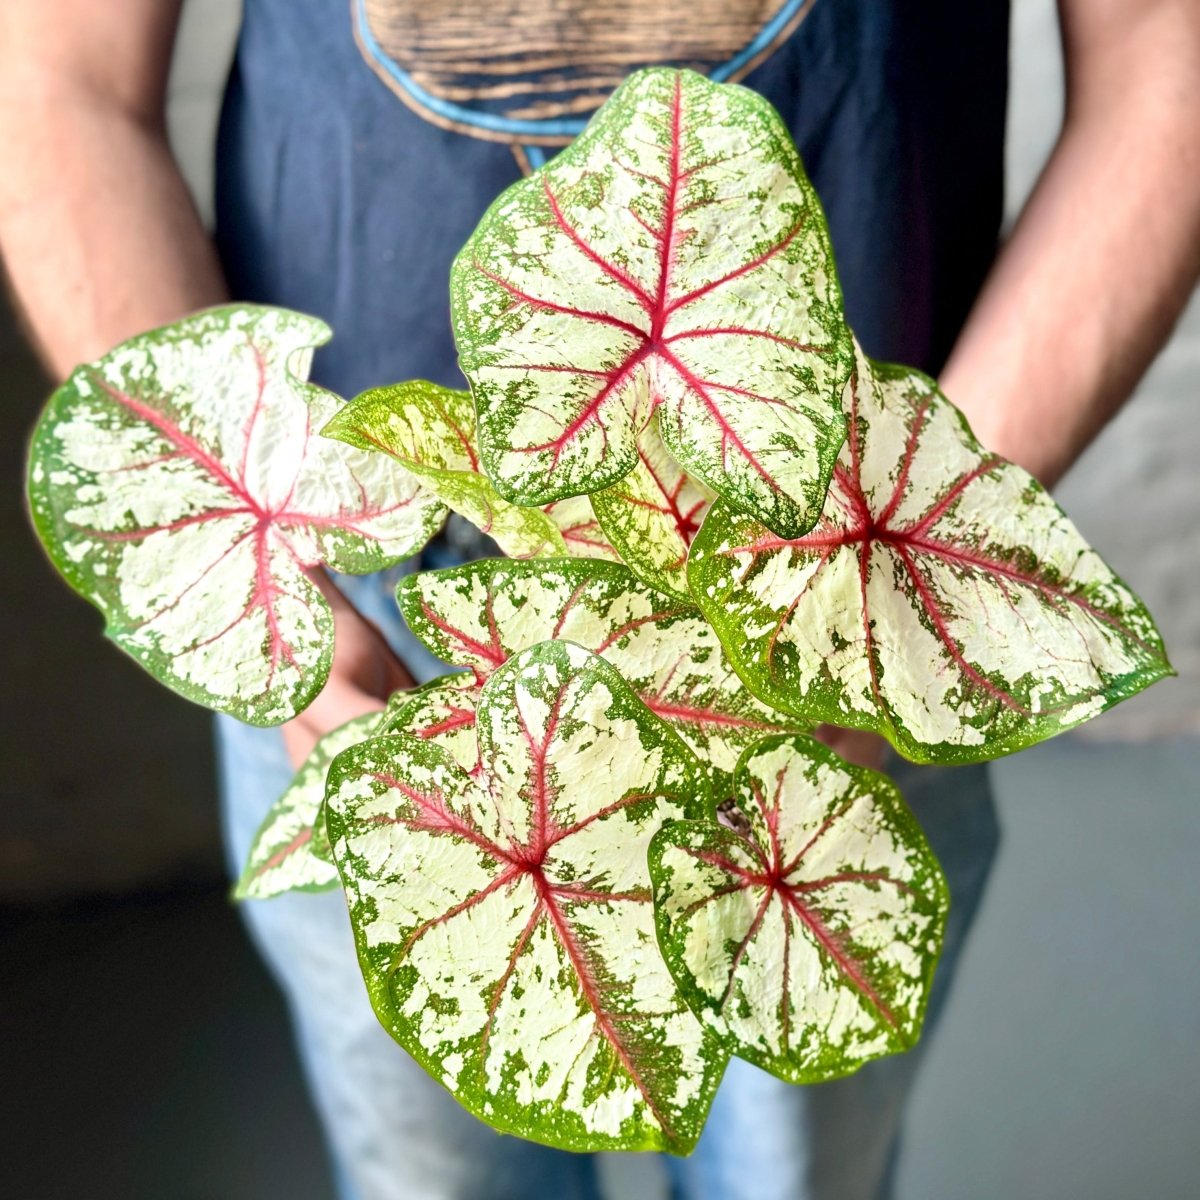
395,1134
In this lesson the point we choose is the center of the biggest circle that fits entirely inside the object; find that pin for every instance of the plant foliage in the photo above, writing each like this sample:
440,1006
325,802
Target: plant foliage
724,525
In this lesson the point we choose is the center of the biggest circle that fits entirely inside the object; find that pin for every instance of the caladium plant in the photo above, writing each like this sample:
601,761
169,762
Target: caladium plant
808,940
943,600
725,524
611,289
179,485
504,917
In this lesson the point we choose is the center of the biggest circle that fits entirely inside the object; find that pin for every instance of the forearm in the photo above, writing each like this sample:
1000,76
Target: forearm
100,237
1101,262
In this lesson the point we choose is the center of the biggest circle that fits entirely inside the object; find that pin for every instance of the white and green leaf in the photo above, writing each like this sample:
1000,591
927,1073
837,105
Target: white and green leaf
479,615
442,712
652,515
674,258
430,431
504,921
580,529
290,851
943,600
808,943
178,485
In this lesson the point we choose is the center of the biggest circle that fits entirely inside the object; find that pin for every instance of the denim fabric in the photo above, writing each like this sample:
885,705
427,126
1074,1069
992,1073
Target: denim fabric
397,1135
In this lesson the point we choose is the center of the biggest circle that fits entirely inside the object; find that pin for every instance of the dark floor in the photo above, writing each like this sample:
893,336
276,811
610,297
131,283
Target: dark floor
148,1058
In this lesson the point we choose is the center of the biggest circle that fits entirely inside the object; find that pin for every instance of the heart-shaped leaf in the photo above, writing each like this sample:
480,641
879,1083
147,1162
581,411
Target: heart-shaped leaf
177,484
430,431
290,851
673,256
943,600
505,925
652,515
809,943
479,615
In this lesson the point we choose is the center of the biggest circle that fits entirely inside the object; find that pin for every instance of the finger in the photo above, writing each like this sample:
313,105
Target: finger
856,746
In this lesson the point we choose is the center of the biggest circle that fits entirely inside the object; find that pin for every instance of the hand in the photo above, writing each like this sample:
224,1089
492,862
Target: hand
856,746
364,674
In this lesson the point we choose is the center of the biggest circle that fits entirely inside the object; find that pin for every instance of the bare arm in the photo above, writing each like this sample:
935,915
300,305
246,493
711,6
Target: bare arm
101,239
1107,250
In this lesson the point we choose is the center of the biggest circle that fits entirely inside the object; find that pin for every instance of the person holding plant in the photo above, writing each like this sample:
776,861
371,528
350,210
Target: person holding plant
901,126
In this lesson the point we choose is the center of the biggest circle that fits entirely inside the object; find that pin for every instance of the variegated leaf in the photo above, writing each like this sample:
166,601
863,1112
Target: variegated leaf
652,515
504,923
430,430
290,851
580,529
943,600
673,257
809,943
442,712
479,615
177,485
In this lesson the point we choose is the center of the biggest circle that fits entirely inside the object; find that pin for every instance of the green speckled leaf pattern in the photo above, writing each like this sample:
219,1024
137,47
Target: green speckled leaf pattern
943,600
443,712
290,851
809,943
672,264
179,485
652,515
430,430
479,615
504,922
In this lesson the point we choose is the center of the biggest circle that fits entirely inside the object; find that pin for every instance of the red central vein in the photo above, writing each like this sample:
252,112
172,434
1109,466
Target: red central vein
536,302
459,718
301,839
745,331
617,634
458,431
539,910
592,994
437,818
610,269
185,442
705,716
728,433
136,535
967,558
502,880
685,527
666,245
844,961
740,953
910,450
561,833
744,269
931,517
593,406
937,617
462,637
248,436
540,750
820,832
